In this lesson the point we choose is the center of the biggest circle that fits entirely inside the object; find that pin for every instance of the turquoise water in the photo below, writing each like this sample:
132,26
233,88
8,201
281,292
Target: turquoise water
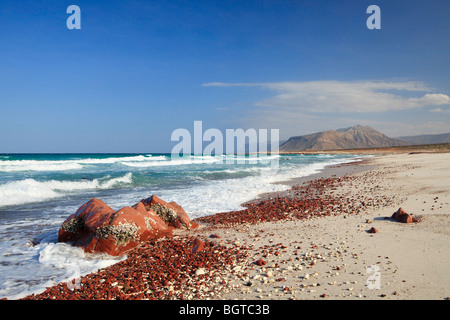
39,191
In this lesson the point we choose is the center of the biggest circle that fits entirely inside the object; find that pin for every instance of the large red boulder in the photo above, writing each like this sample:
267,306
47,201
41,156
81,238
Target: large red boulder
98,228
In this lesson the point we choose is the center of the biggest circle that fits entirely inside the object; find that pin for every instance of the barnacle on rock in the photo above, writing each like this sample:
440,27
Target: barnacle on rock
165,213
73,225
148,224
122,233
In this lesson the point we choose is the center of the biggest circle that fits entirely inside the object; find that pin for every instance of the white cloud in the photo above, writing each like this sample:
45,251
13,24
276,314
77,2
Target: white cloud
439,110
344,96
298,108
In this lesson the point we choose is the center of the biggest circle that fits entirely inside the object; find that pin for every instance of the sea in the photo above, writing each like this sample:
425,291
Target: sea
39,191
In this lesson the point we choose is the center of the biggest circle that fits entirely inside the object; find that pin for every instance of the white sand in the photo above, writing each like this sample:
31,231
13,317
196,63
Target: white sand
413,260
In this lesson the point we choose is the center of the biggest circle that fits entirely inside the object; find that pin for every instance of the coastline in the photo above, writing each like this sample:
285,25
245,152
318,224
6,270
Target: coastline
330,257
329,171
277,251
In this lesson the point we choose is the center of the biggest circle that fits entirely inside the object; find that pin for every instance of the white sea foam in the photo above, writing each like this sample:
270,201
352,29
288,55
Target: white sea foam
56,262
67,165
30,190
62,256
112,160
173,161
140,161
34,165
203,159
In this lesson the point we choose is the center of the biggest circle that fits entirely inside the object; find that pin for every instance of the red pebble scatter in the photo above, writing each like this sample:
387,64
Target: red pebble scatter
305,202
163,269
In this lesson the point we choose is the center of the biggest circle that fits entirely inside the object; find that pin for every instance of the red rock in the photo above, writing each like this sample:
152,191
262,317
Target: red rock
199,245
402,216
396,215
261,262
373,230
172,213
98,228
197,241
405,218
83,223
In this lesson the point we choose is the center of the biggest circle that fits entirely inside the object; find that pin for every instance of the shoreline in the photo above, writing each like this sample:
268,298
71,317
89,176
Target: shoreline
329,171
302,243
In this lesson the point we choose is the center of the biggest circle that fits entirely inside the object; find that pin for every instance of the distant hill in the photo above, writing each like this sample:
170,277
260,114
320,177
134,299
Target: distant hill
426,139
349,138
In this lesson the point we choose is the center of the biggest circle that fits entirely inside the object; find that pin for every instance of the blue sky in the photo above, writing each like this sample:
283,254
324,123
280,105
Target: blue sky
137,70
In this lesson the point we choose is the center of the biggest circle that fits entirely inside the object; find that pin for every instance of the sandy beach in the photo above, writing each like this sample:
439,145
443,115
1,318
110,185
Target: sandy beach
333,257
311,242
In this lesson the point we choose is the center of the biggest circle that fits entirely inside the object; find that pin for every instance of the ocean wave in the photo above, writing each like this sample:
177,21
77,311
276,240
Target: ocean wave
31,190
174,161
34,165
138,161
201,159
112,160
69,164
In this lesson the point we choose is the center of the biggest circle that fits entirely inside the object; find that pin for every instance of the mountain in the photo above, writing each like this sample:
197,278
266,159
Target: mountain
349,138
426,139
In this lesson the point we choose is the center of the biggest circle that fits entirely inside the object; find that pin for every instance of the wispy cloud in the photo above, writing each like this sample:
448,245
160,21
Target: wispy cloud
222,109
345,96
304,107
439,110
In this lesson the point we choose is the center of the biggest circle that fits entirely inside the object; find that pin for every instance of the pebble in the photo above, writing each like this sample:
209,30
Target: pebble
200,271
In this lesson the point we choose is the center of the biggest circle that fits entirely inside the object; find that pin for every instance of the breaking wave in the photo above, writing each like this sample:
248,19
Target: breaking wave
31,190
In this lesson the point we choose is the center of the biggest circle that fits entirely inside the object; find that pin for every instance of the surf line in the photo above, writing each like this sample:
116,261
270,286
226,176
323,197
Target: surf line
249,142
